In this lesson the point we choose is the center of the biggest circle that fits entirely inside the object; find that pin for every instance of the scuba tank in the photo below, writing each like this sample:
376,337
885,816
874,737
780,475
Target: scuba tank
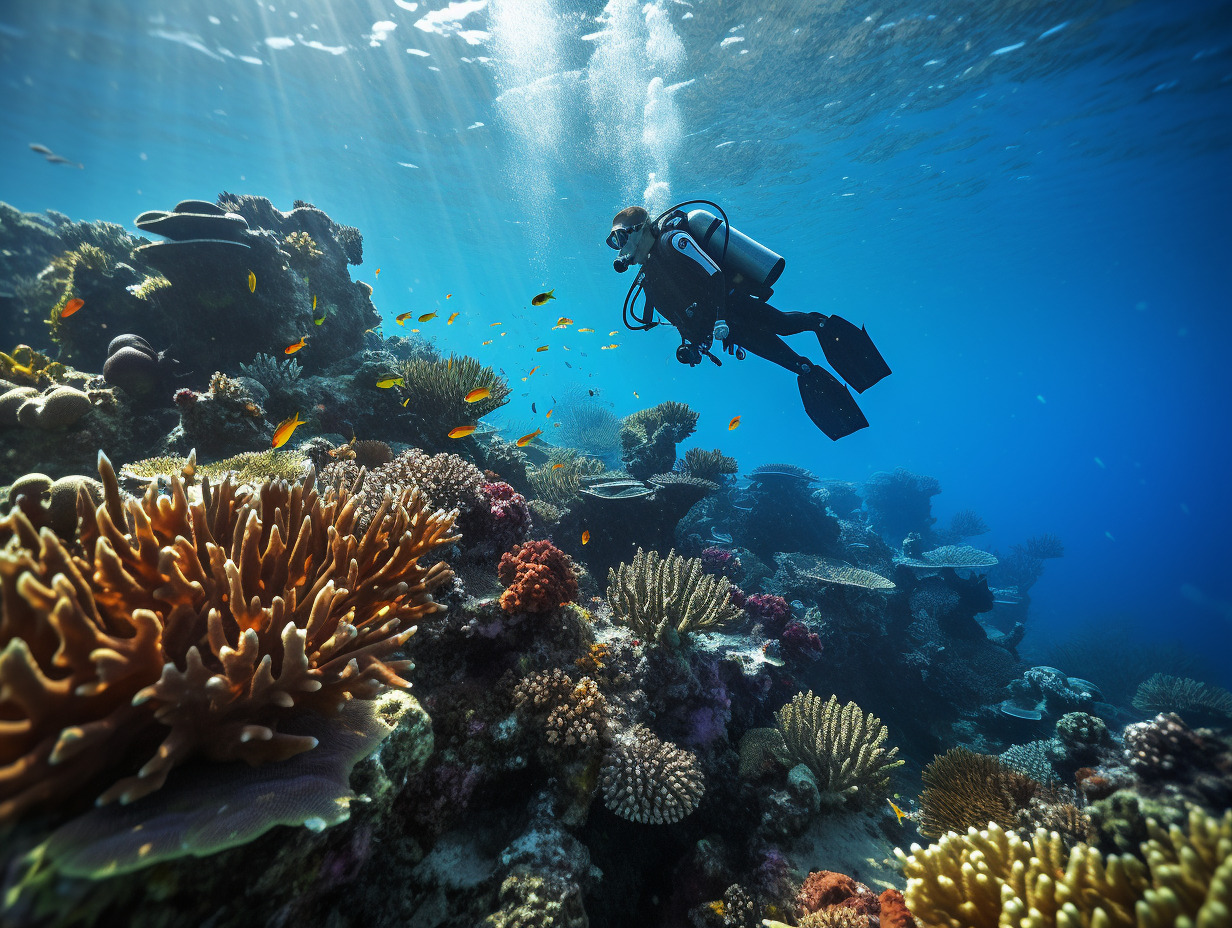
734,251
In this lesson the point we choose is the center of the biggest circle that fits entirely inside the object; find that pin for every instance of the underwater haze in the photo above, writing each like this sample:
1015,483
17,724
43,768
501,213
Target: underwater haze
1025,203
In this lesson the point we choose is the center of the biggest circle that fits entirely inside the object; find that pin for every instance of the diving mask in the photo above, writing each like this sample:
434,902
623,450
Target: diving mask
618,238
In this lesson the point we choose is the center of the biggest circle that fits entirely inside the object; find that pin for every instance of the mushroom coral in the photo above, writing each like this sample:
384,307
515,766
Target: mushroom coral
184,630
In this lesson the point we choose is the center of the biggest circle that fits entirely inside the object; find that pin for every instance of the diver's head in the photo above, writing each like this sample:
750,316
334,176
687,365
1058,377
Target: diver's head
631,236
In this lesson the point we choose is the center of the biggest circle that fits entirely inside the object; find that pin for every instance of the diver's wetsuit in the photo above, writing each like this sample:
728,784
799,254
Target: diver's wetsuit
757,326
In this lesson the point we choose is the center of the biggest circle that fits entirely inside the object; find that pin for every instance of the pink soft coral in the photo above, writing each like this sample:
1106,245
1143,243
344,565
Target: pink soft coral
539,576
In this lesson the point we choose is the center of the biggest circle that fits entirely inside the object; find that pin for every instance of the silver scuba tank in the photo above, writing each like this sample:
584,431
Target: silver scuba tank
745,256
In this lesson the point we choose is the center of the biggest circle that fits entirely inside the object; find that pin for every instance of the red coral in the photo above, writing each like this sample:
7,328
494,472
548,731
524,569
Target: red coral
825,888
539,576
894,912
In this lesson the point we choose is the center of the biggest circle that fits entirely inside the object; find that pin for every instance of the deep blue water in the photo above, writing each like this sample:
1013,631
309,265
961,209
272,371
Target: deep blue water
1036,235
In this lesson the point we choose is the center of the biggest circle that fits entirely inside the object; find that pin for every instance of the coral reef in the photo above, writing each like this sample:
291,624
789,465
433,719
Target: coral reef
648,437
963,789
664,599
160,636
538,577
709,465
1197,701
841,746
900,503
650,781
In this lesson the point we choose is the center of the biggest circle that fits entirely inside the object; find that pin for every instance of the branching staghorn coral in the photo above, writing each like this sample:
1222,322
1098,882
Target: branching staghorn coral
438,391
276,376
708,465
1165,693
664,598
995,878
841,745
200,626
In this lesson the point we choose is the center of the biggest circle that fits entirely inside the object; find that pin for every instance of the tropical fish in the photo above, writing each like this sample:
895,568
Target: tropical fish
427,317
897,811
448,296
314,304
532,370
462,431
449,366
611,333
586,537
378,273
321,321
291,349
549,414
489,341
389,382
252,282
71,307
541,348
40,149
635,396
540,298
608,347
555,327
492,325
585,330
735,422
405,401
284,430
564,320
479,393
452,317
402,317
532,406
557,466
527,439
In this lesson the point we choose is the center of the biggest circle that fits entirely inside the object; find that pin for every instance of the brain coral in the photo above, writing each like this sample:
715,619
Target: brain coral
185,630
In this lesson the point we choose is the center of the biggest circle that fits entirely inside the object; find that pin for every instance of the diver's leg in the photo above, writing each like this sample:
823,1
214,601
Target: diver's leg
765,344
848,349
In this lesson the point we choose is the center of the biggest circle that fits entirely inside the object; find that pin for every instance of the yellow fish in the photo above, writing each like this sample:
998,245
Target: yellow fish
608,347
427,317
586,537
541,348
452,318
462,431
527,439
492,325
405,401
389,382
735,422
488,342
449,366
897,811
635,396
252,282
585,330
540,298
611,333
402,317
557,466
291,349
564,320
314,304
549,415
448,296
479,393
284,430
555,327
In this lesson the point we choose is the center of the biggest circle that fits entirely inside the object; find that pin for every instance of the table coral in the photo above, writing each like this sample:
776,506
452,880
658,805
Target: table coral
200,626
539,578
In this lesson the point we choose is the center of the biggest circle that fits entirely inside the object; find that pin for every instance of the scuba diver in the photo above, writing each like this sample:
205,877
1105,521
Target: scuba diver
712,283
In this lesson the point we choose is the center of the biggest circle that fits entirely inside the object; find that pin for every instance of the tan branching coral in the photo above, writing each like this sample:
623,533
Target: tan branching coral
841,745
995,878
573,714
650,781
302,250
1165,693
193,630
664,598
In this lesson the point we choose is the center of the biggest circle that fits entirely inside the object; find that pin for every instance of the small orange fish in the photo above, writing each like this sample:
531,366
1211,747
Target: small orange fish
71,307
541,348
585,330
527,439
735,422
448,296
557,466
492,325
532,370
284,430
608,347
549,415
414,330
378,273
252,282
452,318
402,317
427,317
291,349
488,342
897,811
479,393
564,320
462,431
540,298
586,537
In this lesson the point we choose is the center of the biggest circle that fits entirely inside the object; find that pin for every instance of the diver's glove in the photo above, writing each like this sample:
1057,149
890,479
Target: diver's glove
721,331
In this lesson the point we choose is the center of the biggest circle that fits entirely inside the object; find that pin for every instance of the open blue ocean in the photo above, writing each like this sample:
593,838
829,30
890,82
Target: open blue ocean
1026,204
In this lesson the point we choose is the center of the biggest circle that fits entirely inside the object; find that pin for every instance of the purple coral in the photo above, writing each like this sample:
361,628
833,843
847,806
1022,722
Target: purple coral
510,522
770,611
720,562
799,643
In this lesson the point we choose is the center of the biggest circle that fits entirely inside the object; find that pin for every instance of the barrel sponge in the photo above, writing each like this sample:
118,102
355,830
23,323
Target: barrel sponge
11,401
59,409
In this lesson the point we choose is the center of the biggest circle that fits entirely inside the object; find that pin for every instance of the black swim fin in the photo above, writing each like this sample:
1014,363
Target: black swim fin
829,404
852,353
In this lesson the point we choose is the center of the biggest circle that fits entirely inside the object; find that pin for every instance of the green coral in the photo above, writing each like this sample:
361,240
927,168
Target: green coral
663,599
841,745
31,368
255,466
640,427
560,478
149,286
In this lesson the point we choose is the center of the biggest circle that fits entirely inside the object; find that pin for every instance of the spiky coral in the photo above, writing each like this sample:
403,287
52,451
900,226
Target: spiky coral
558,480
664,598
963,789
438,390
648,437
1165,693
997,879
708,465
198,626
650,781
841,745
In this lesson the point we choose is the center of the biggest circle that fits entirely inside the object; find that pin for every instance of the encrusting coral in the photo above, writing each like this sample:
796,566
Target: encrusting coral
841,746
995,878
199,626
650,781
664,598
